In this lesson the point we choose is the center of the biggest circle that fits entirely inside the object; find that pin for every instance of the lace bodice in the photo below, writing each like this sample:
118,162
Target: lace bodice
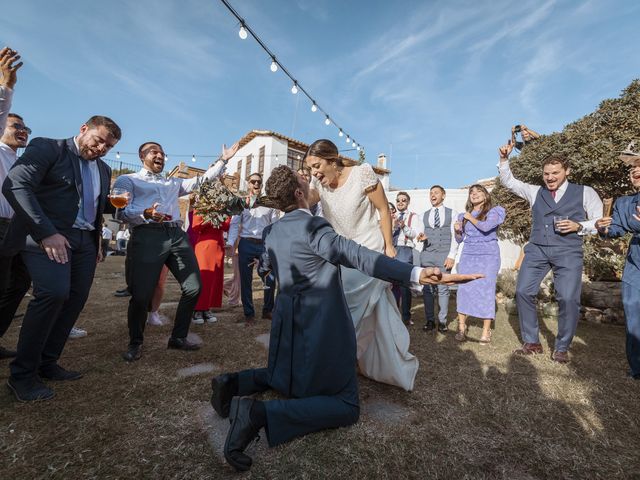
350,211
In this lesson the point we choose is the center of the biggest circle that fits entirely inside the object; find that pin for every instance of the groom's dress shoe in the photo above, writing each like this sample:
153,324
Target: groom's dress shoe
30,390
57,373
241,433
182,344
529,349
224,388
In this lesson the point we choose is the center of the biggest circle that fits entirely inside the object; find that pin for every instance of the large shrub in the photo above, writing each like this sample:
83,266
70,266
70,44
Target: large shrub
593,144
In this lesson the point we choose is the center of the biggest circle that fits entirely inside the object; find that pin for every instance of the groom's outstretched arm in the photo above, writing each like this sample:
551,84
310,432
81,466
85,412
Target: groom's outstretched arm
341,251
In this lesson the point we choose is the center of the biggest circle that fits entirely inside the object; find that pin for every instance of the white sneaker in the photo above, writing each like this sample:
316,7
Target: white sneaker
210,317
154,319
198,318
77,333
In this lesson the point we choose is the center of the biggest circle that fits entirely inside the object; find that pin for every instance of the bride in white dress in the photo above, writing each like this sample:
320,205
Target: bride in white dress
352,199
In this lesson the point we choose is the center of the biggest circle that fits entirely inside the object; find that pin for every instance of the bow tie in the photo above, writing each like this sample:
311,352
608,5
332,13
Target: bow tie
155,176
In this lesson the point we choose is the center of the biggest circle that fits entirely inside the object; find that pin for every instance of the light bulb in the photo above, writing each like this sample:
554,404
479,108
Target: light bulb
353,144
327,121
242,33
348,139
358,148
294,89
193,158
118,155
166,158
274,66
314,108
340,133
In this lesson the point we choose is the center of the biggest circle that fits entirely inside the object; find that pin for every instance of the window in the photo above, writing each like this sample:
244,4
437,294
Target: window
294,159
239,169
248,172
261,160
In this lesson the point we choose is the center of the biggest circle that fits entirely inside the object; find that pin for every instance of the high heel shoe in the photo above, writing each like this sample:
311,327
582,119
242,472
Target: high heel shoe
461,336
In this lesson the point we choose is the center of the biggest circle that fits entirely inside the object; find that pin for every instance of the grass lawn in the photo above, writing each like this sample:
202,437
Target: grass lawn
476,411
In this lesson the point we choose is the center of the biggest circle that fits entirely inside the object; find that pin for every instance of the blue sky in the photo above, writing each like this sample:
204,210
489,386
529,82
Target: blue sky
434,85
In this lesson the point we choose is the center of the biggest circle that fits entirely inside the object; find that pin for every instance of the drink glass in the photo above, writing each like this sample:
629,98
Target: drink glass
558,219
119,198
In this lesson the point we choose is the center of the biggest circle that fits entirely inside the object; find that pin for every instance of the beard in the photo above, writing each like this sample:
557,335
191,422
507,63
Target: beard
86,152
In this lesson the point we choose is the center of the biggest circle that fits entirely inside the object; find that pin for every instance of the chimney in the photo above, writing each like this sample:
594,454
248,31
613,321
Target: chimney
382,161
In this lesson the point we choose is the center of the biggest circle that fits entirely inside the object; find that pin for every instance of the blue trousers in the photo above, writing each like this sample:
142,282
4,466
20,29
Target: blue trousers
566,264
295,417
631,303
248,251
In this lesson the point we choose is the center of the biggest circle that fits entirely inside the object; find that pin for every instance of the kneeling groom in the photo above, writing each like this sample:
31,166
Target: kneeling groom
312,352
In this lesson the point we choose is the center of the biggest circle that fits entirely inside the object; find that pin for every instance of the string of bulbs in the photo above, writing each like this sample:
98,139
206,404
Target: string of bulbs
275,64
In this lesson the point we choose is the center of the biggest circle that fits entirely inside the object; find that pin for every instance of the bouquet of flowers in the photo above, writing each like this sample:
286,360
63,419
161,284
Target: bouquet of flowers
215,202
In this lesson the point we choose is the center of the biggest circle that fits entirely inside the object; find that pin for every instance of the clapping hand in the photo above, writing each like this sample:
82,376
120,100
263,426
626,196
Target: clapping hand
602,225
434,276
457,227
8,67
227,153
421,237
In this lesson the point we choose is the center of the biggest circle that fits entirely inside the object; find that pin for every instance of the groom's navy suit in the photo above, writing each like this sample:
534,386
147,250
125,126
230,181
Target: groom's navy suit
44,187
312,351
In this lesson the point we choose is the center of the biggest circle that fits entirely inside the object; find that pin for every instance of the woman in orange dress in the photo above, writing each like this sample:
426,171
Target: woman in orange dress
209,248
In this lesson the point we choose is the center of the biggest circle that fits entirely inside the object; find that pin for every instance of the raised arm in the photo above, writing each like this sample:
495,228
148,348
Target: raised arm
214,171
8,69
524,190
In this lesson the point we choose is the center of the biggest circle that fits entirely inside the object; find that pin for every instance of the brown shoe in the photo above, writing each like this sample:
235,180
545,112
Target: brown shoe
528,349
560,357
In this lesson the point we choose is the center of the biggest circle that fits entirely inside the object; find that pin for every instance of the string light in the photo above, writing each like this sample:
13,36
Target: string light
353,144
245,31
193,158
348,139
118,155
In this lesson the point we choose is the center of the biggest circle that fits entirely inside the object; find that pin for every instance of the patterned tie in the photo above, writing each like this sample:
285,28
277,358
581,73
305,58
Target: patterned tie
88,197
396,232
436,223
155,176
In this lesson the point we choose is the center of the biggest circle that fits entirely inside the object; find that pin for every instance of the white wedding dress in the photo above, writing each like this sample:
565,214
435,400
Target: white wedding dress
382,338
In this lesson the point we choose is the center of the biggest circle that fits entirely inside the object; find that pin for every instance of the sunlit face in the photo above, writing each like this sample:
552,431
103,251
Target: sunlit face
554,175
402,202
325,171
16,134
477,196
436,196
153,157
94,142
255,184
634,175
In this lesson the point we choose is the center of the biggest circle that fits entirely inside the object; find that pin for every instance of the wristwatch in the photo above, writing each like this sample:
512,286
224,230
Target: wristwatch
580,228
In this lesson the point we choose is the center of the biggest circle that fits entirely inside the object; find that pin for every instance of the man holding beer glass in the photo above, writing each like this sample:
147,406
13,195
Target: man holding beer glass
157,239
562,213
58,190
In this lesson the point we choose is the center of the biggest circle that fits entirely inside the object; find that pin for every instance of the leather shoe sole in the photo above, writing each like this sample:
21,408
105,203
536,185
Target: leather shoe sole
222,394
241,433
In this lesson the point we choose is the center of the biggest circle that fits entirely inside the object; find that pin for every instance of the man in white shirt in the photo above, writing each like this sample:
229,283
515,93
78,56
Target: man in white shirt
107,236
562,213
438,250
14,277
406,227
122,237
245,236
157,239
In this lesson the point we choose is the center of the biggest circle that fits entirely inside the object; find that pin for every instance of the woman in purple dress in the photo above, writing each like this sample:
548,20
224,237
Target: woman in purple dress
478,228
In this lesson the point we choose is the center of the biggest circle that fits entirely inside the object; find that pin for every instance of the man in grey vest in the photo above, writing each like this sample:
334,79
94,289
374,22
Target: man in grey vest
439,250
562,213
406,227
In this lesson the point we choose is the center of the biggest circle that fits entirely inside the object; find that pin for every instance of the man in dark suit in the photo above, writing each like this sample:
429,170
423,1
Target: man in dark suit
58,189
312,352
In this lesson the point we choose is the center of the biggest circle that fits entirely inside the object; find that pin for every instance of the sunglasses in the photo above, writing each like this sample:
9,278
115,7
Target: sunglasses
19,126
256,182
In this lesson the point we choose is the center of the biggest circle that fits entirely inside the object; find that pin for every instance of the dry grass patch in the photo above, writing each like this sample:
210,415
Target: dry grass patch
476,412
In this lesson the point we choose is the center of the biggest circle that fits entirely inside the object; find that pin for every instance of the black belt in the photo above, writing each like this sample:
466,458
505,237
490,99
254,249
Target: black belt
160,225
252,240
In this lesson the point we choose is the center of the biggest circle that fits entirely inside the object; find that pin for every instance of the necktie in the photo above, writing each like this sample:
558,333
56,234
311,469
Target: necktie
553,194
88,197
436,223
396,232
155,176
